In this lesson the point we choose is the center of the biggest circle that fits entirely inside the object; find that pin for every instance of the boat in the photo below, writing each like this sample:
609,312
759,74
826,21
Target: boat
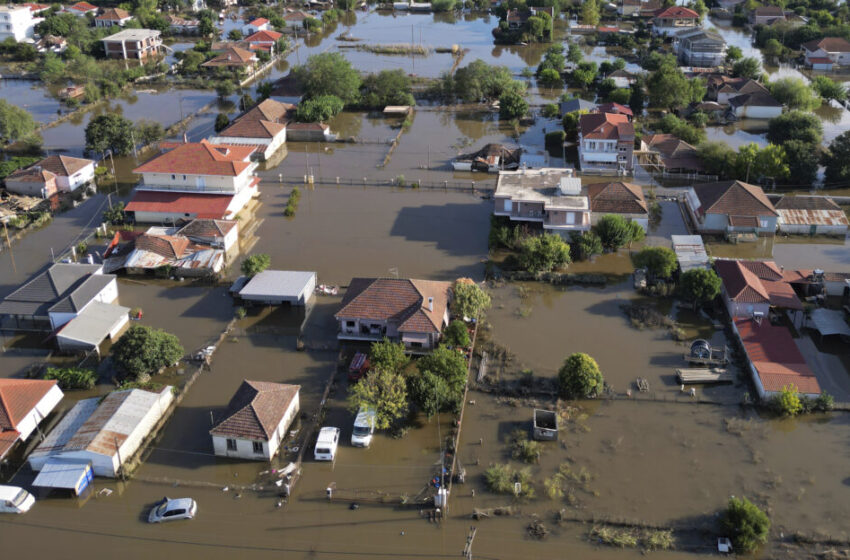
327,289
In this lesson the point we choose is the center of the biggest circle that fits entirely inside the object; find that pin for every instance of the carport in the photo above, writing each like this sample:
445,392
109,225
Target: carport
64,474
829,323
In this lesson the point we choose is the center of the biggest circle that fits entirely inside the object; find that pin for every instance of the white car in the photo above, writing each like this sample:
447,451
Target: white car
364,427
168,509
326,444
15,500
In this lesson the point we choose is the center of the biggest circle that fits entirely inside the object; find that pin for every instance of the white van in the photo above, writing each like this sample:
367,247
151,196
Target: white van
364,427
15,500
326,444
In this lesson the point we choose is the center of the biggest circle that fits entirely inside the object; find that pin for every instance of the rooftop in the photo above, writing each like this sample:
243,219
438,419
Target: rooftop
200,158
606,126
94,324
256,410
283,283
734,198
756,282
401,301
775,357
555,188
133,35
616,198
690,252
200,205
18,397
62,287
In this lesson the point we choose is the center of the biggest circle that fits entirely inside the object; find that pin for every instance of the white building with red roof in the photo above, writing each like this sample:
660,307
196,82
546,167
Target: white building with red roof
606,143
823,54
414,312
263,41
253,26
81,9
195,180
24,403
671,20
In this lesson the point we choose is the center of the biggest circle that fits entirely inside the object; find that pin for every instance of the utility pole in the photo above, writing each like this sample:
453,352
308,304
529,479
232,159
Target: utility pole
467,550
9,243
118,452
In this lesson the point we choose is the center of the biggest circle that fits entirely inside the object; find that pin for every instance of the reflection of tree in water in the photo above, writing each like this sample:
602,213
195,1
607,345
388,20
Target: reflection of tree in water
282,65
347,123
444,17
531,54
226,106
130,97
349,18
830,113
471,124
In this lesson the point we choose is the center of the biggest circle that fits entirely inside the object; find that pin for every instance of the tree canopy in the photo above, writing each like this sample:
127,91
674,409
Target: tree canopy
388,355
794,93
329,74
15,123
544,253
512,105
469,300
828,88
478,81
660,262
748,525
795,125
580,377
319,109
110,132
255,264
143,351
669,88
747,68
700,285
383,391
387,87
614,231
836,159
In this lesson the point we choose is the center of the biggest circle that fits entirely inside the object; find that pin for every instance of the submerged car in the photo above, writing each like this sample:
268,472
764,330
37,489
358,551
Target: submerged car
168,509
15,500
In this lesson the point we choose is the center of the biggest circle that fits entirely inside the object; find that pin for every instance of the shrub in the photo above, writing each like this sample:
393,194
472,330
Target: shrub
824,402
470,300
255,264
614,231
456,334
660,262
72,378
580,377
524,449
432,394
144,351
748,525
292,203
500,478
543,253
787,401
585,245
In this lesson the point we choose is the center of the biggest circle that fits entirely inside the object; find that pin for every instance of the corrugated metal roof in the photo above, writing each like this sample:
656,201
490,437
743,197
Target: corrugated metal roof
277,283
95,323
798,217
66,428
61,473
690,252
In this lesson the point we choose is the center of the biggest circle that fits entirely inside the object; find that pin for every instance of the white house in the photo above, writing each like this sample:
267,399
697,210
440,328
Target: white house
296,19
112,17
256,420
755,106
81,9
24,403
94,324
551,197
259,24
606,143
105,432
17,22
195,180
827,52
71,172
56,296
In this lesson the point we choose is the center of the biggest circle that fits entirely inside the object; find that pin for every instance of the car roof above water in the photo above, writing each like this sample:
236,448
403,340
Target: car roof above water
326,435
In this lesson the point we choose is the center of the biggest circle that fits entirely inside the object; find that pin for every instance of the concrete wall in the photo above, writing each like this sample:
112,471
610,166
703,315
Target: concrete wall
756,112
78,179
32,188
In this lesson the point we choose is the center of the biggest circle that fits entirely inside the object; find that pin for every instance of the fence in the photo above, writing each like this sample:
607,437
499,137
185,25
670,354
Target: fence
460,186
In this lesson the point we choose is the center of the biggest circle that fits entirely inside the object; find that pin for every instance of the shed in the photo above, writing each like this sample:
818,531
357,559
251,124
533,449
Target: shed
829,322
274,287
61,474
397,110
690,252
97,322
811,215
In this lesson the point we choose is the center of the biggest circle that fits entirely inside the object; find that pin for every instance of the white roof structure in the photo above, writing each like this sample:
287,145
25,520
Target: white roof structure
95,323
828,321
279,285
64,474
9,492
133,35
690,252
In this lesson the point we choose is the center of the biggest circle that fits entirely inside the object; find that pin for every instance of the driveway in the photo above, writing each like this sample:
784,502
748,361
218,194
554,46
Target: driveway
832,376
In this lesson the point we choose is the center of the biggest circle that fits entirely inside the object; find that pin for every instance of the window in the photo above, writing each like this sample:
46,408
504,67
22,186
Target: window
762,223
184,177
231,445
258,447
173,177
571,218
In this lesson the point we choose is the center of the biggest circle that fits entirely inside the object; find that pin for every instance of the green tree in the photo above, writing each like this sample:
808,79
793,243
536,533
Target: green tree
794,93
447,364
385,392
114,215
570,123
15,123
747,68
469,300
255,264
329,74
110,132
388,355
836,159
636,233
620,95
72,378
234,35
221,122
734,53
753,162
456,334
478,81
52,68
672,124
585,245
802,160
614,231
225,88
828,88
590,13
550,78
574,53
669,88
700,286
143,351
549,111
787,401
319,109
584,74
264,90
795,125
543,253
387,87
431,393
748,525
191,61
512,105
773,48
660,262
580,377
148,132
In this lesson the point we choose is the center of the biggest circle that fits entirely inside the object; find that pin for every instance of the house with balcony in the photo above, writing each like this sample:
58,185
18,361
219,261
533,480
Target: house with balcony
17,22
669,21
413,312
133,44
265,40
263,126
194,180
112,17
606,143
547,196
700,48
827,53
731,207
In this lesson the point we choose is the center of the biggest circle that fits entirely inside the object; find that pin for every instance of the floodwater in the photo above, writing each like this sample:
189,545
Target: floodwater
793,253
33,97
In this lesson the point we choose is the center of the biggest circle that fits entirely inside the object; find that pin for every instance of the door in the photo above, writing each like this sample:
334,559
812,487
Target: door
202,183
508,205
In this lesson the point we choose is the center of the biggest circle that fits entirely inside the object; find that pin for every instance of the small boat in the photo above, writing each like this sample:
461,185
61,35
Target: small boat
327,289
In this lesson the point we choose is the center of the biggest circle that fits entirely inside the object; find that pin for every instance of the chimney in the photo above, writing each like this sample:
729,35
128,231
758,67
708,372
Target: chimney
430,304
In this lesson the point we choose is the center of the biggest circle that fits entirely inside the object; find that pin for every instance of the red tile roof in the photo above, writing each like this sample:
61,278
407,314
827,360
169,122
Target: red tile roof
208,228
200,158
168,246
83,7
64,166
18,397
232,56
606,126
400,301
263,37
829,44
617,198
775,357
733,198
31,175
258,22
250,128
676,12
757,282
113,14
615,108
256,410
820,60
201,205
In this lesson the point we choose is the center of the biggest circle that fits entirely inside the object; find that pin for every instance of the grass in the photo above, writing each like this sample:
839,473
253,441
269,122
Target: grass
395,49
524,449
648,539
614,537
501,478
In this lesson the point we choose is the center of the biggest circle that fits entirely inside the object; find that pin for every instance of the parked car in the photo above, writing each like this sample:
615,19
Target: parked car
15,500
364,427
326,444
168,509
359,366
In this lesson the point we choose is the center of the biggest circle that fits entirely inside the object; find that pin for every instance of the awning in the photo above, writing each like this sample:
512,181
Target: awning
828,321
65,474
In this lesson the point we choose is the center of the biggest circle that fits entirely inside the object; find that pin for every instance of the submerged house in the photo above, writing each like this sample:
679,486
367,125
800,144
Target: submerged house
624,199
731,207
256,421
811,215
492,158
413,312
263,126
754,288
670,153
104,432
550,197
53,174
24,403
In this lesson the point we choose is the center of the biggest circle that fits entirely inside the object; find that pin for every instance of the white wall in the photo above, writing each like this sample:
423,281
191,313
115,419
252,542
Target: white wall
245,447
758,112
76,180
47,403
17,23
231,238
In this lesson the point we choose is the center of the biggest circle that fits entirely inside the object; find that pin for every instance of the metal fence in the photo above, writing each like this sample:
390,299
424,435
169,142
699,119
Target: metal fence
461,186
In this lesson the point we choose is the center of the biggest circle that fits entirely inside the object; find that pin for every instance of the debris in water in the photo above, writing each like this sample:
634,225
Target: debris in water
354,505
105,492
226,489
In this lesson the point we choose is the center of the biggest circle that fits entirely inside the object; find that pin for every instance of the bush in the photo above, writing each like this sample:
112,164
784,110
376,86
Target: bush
585,245
549,111
449,364
292,203
255,264
144,351
524,449
660,262
432,394
748,525
544,253
388,355
456,334
114,215
512,105
550,78
824,402
470,300
614,231
500,478
385,392
72,378
555,139
221,122
580,377
319,109
787,401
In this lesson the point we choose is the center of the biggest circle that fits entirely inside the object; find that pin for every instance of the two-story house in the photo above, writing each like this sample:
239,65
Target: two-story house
700,48
263,41
731,207
17,22
414,312
767,15
112,17
136,44
264,126
256,25
671,20
606,143
194,180
826,53
550,197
